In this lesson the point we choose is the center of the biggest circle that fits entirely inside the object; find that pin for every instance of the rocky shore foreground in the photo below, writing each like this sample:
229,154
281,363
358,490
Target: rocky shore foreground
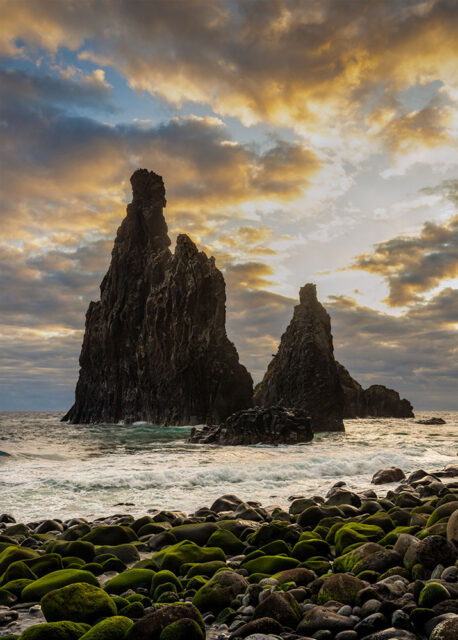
344,566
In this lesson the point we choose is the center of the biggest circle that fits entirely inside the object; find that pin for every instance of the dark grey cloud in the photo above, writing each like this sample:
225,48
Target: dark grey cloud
413,265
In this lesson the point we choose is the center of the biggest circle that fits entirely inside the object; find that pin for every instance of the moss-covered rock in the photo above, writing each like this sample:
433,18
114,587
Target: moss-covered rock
184,629
185,552
226,541
45,564
133,610
270,564
306,549
164,577
16,586
356,532
202,568
275,530
300,576
281,607
444,511
75,532
431,594
75,548
368,557
78,602
17,571
276,548
64,630
56,580
130,579
151,626
166,587
219,592
198,532
152,528
13,554
317,564
312,516
127,553
114,628
7,598
341,587
94,567
111,534
381,519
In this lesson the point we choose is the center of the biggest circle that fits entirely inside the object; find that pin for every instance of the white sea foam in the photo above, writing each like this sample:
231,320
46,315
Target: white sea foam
63,470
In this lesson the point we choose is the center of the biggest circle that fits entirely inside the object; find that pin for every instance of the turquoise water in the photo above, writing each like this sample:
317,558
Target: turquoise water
48,468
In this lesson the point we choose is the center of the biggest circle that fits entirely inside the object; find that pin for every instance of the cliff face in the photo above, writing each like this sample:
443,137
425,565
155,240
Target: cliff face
155,346
304,373
377,401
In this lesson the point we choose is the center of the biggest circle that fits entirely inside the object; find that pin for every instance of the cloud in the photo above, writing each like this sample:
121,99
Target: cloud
414,265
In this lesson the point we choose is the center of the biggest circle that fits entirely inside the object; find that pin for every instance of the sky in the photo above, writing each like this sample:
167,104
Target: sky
299,141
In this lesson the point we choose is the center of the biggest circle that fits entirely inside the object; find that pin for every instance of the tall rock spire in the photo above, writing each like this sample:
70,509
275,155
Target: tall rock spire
155,346
304,373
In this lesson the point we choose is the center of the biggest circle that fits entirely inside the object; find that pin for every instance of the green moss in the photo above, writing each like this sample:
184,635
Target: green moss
130,579
165,576
55,580
306,549
114,628
443,511
111,534
78,602
7,598
73,562
369,576
134,610
199,532
13,554
16,586
226,541
127,553
432,594
75,549
75,532
330,536
382,520
219,592
392,536
17,571
153,528
120,602
319,565
356,532
163,588
270,564
45,564
184,629
401,517
184,552
169,597
276,530
55,631
141,522
94,567
438,529
113,564
139,597
276,548
396,571
202,568
312,516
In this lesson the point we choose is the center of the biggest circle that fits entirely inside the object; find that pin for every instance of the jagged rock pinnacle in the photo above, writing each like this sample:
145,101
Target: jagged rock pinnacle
155,346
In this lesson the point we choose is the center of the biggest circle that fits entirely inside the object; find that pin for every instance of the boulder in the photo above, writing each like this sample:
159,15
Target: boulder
272,425
389,474
155,346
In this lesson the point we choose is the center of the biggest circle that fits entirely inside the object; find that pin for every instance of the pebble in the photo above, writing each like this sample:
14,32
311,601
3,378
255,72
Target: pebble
346,610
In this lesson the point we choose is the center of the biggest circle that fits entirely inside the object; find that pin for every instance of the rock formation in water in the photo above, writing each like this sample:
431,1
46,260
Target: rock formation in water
303,374
273,425
377,401
155,346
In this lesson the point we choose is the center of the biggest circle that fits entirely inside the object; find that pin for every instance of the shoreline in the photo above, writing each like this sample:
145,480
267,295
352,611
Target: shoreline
344,565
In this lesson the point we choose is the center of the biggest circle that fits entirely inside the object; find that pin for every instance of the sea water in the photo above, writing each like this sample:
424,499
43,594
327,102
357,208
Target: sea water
53,469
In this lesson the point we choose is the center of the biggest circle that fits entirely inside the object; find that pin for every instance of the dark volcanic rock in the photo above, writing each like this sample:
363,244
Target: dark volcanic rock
273,425
431,421
377,401
303,373
155,346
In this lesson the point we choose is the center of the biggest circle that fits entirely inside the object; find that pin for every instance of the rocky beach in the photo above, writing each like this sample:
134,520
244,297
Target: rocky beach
377,565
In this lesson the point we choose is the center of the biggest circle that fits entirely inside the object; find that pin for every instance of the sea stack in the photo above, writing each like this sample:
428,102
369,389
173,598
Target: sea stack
155,346
377,401
304,373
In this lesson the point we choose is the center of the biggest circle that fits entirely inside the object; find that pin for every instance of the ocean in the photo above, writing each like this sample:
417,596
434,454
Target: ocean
53,469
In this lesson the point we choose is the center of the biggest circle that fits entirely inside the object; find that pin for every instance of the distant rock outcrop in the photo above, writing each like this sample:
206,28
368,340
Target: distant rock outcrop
377,401
274,425
155,346
303,374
